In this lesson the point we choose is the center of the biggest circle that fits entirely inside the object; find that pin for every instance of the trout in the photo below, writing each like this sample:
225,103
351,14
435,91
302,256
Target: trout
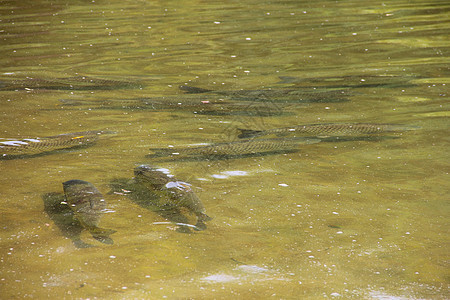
329,129
238,148
33,146
87,204
172,193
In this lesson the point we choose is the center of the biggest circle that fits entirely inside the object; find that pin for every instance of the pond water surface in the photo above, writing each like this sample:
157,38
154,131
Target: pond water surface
352,219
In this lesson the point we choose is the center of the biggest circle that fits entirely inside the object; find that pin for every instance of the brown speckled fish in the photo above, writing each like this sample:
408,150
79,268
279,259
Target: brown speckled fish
329,129
32,146
88,205
278,95
173,193
186,103
238,148
65,83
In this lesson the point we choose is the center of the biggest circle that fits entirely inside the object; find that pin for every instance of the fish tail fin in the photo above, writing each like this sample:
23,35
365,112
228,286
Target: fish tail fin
104,231
248,133
203,217
193,89
80,244
200,226
102,235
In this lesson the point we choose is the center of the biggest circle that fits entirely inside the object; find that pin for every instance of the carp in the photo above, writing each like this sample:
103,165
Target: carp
329,129
66,83
172,193
351,81
87,204
276,95
33,146
238,148
63,218
197,105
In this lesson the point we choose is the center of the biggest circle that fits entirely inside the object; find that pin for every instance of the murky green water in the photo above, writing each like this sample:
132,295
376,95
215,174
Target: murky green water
350,220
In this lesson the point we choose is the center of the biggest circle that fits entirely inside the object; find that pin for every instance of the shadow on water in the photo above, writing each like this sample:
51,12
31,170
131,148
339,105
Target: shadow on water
63,217
148,200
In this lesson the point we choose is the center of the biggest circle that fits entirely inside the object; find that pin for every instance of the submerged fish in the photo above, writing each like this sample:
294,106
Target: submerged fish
277,95
33,146
63,217
350,81
238,148
197,105
88,205
65,83
329,129
150,200
173,193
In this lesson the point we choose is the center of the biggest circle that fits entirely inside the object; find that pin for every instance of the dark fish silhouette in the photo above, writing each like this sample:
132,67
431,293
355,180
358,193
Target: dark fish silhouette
172,193
88,205
277,95
150,200
33,146
66,83
350,81
63,217
197,105
237,148
329,129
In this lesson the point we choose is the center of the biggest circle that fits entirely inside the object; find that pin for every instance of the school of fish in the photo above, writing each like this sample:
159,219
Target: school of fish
81,205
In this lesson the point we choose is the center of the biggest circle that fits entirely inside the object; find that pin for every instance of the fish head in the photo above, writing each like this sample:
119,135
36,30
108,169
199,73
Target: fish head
157,177
76,188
